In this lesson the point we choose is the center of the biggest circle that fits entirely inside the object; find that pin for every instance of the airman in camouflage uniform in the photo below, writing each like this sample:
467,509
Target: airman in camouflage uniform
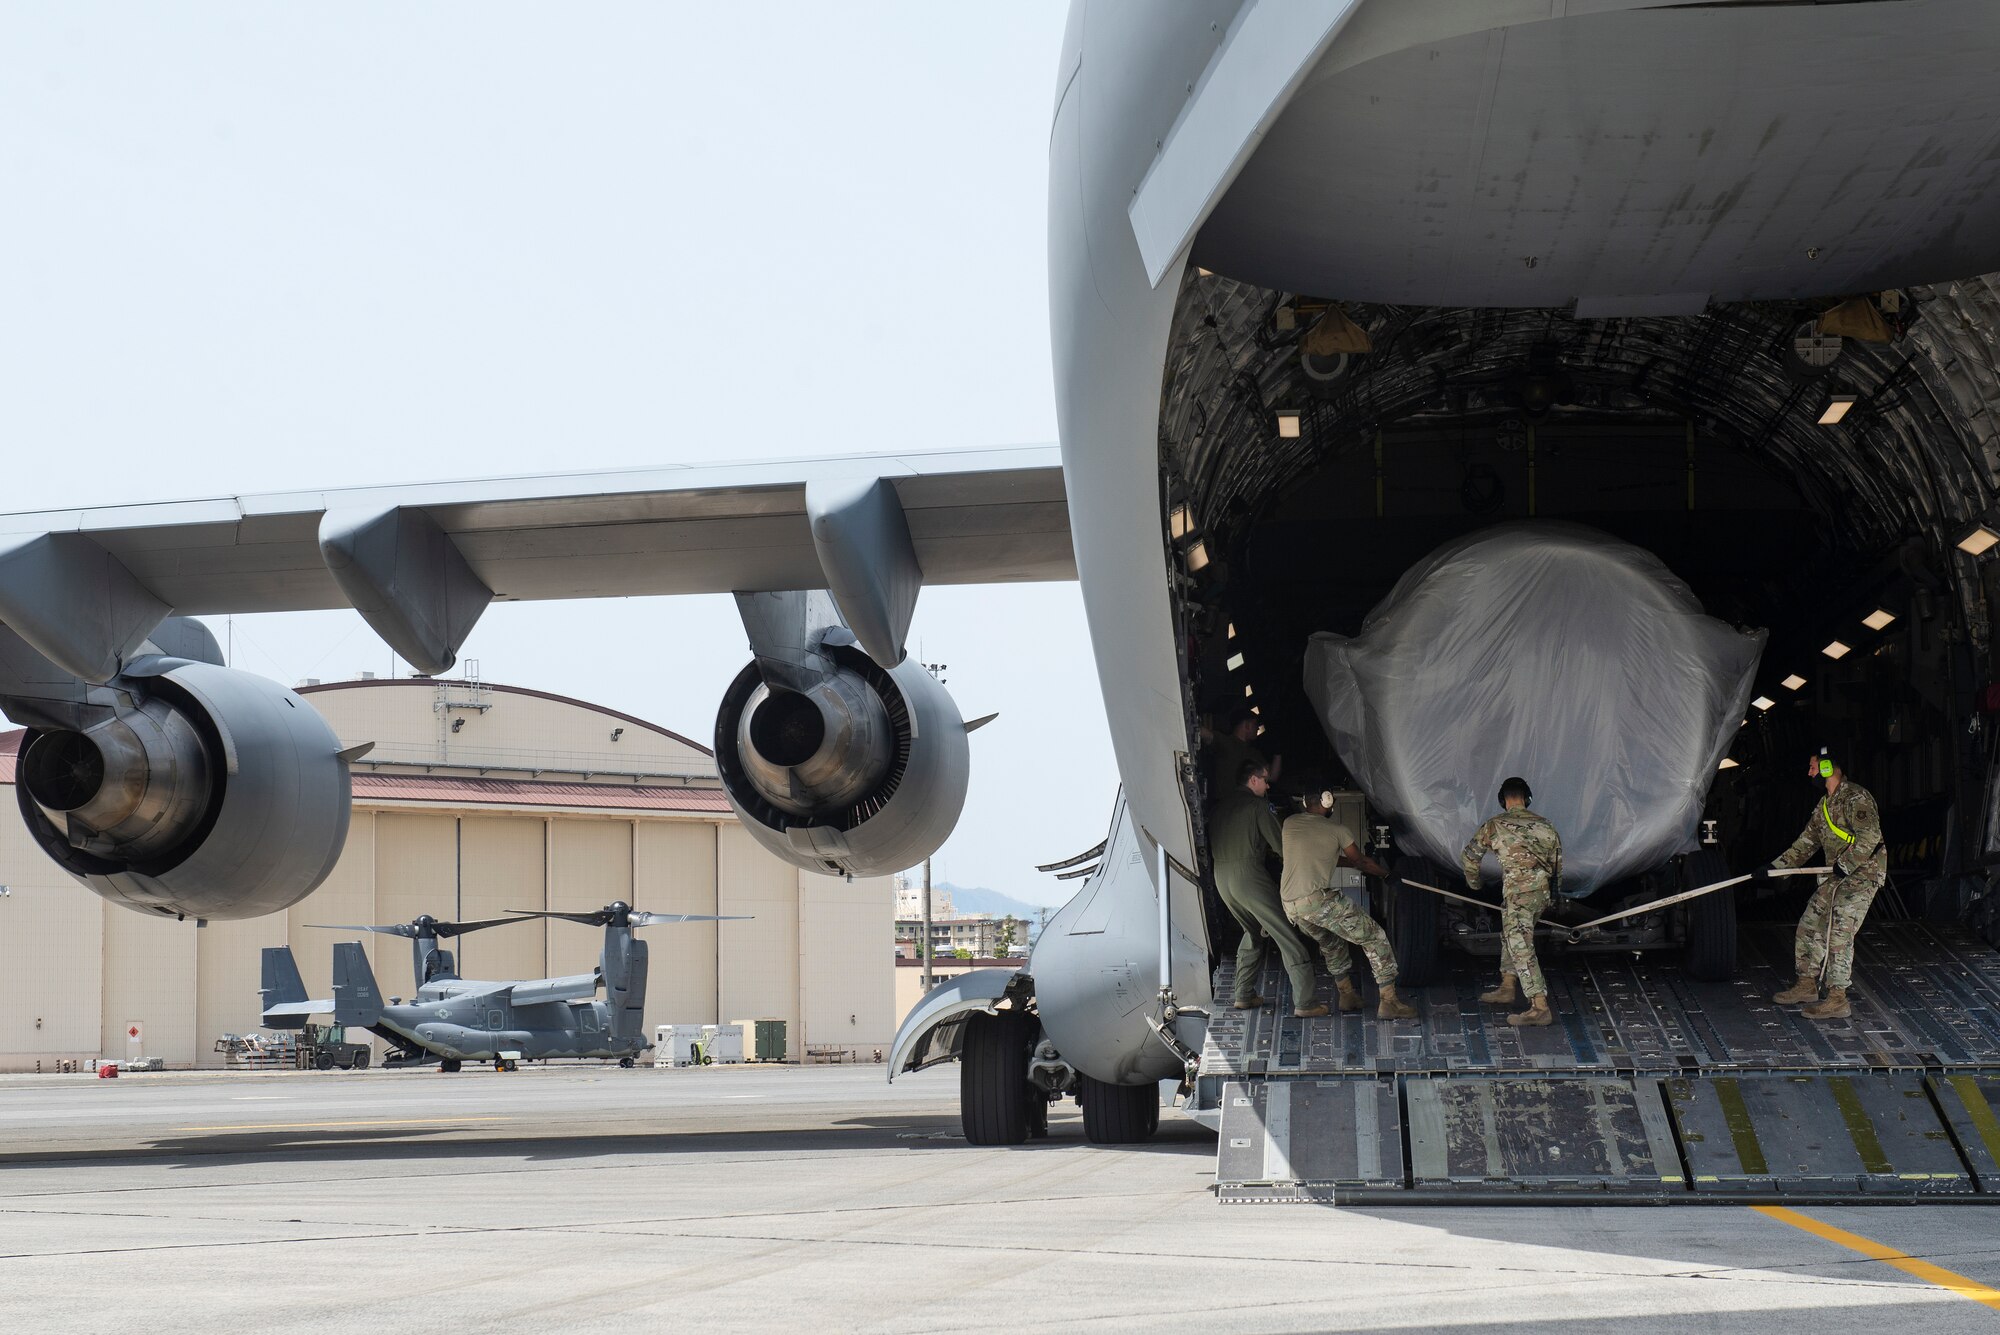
1529,852
1314,846
1242,835
1846,830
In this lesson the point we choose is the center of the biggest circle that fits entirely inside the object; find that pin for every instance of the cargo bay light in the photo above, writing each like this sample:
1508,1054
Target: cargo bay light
476,799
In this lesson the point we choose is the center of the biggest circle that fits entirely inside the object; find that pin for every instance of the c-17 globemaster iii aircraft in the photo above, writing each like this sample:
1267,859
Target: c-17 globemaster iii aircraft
1333,282
452,1020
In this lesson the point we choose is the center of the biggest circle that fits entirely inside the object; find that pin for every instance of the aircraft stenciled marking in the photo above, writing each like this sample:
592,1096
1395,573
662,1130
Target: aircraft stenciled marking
326,1126
1948,1280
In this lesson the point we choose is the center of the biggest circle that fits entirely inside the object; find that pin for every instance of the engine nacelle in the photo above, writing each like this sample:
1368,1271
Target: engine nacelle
862,773
203,792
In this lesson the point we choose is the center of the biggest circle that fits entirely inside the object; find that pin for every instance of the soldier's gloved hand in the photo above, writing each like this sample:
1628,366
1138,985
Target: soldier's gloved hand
1839,872
1762,875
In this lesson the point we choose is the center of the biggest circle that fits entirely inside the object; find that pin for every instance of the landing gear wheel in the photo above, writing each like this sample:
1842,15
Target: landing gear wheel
1413,924
1118,1114
324,1061
449,1065
626,1062
994,1096
1711,920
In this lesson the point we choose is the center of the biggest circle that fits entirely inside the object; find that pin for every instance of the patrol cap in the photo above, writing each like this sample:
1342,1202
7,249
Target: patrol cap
1516,787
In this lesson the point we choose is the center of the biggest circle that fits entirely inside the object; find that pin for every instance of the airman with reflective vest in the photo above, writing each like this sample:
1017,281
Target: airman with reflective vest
1845,829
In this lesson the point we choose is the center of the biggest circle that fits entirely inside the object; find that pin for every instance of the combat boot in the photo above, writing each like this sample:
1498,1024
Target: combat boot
1392,1007
1350,995
1504,995
1249,1003
1312,1012
1538,1013
1806,989
1833,1008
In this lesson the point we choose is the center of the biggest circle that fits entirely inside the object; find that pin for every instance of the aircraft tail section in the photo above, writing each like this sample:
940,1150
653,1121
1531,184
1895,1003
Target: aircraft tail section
624,970
285,1003
356,999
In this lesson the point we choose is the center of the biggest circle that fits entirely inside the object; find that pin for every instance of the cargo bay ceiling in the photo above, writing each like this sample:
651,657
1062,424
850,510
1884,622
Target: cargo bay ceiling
1903,476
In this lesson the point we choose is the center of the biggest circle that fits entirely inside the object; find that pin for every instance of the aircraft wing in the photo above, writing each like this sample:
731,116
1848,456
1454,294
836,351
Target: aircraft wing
577,987
975,517
421,562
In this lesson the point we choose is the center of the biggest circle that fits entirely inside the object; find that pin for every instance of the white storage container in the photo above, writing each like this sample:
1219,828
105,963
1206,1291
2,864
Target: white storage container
674,1044
725,1043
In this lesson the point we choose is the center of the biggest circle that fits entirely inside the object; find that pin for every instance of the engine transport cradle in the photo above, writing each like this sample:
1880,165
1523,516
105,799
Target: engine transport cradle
1650,1086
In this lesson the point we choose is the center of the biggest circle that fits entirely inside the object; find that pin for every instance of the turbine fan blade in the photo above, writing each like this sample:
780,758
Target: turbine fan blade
387,929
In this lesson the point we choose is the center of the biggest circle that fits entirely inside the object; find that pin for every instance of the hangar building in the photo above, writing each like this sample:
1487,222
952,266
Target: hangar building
476,799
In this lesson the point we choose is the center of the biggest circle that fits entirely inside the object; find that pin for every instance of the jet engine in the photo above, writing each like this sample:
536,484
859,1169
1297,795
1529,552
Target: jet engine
189,789
860,770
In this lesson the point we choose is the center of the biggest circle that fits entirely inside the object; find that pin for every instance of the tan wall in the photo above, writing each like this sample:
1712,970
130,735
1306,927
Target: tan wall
847,934
759,959
149,976
347,897
590,866
675,871
502,864
51,956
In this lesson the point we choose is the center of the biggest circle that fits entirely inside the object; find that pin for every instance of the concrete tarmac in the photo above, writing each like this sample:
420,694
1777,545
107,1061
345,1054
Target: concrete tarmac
825,1199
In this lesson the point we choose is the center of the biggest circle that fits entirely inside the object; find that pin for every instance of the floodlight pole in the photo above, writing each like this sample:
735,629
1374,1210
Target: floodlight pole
927,927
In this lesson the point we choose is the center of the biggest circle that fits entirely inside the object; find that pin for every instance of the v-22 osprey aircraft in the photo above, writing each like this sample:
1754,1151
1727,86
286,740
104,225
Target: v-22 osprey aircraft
453,1020
1304,255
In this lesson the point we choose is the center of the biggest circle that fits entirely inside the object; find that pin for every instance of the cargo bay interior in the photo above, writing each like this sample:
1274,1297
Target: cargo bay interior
1302,483
1802,472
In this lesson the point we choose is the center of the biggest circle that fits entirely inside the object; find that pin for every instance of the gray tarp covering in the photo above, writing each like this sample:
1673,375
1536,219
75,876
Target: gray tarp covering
1552,651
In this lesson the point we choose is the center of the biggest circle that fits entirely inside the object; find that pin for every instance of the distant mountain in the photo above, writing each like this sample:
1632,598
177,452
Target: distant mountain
991,903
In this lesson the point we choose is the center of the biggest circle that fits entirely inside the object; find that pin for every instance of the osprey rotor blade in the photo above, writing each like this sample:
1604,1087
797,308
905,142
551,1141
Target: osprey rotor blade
649,919
387,929
461,928
593,919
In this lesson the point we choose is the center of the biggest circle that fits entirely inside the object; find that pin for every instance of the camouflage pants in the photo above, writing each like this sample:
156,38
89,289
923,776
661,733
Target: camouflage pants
1330,918
1518,911
1827,927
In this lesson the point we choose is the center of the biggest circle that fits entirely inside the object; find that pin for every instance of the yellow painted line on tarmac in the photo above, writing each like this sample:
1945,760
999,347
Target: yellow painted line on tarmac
333,1126
1947,1280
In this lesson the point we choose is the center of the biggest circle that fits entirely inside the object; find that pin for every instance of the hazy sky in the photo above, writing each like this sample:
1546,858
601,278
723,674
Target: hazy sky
251,246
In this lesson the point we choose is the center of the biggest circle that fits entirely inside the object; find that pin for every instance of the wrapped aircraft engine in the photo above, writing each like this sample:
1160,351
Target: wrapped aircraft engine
1554,652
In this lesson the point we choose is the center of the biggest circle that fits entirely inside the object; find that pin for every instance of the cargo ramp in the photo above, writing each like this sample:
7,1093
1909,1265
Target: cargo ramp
1650,1087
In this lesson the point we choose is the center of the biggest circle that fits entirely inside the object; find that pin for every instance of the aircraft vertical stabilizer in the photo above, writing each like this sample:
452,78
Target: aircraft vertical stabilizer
284,991
356,999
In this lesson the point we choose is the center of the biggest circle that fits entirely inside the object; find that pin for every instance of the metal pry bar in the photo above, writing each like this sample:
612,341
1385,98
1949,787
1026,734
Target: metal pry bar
1695,893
